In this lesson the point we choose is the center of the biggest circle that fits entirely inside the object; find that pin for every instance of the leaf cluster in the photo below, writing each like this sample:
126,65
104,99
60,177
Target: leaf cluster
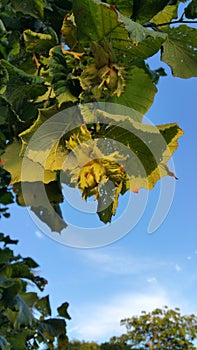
25,316
56,55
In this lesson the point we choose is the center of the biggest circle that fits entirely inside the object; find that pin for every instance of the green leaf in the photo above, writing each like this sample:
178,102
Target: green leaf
179,51
69,32
107,203
191,10
166,15
7,115
44,202
125,7
34,8
144,10
18,339
62,311
151,148
6,197
138,33
53,326
43,306
30,262
34,171
6,256
24,316
59,73
7,239
56,157
139,91
30,298
6,282
4,345
46,136
122,33
22,84
38,42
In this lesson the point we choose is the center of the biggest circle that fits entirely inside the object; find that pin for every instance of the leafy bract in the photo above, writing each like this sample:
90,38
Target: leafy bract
139,90
59,72
181,54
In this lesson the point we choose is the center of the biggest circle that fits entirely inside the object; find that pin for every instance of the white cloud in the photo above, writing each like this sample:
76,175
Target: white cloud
177,268
189,257
151,279
122,264
39,234
100,321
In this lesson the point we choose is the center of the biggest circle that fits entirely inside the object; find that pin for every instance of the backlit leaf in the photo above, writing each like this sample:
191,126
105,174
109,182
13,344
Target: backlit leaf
139,91
33,171
179,51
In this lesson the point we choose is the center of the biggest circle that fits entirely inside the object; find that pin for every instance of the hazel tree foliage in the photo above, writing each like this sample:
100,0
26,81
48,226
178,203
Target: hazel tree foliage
57,54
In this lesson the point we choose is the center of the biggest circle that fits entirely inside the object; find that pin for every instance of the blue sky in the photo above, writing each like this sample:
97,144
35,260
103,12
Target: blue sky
140,271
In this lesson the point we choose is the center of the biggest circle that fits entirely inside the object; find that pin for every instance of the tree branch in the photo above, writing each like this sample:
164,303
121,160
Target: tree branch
153,25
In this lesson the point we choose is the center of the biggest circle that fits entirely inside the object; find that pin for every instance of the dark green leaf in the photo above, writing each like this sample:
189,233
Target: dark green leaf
125,7
144,10
34,8
4,345
62,311
43,306
7,239
53,326
191,10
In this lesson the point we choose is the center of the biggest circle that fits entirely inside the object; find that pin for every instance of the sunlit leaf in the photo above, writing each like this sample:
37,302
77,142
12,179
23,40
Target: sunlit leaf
139,91
38,42
179,51
166,15
34,171
120,31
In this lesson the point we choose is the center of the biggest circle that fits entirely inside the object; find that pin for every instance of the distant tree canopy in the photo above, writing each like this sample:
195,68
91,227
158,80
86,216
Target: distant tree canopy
57,54
160,329
83,345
